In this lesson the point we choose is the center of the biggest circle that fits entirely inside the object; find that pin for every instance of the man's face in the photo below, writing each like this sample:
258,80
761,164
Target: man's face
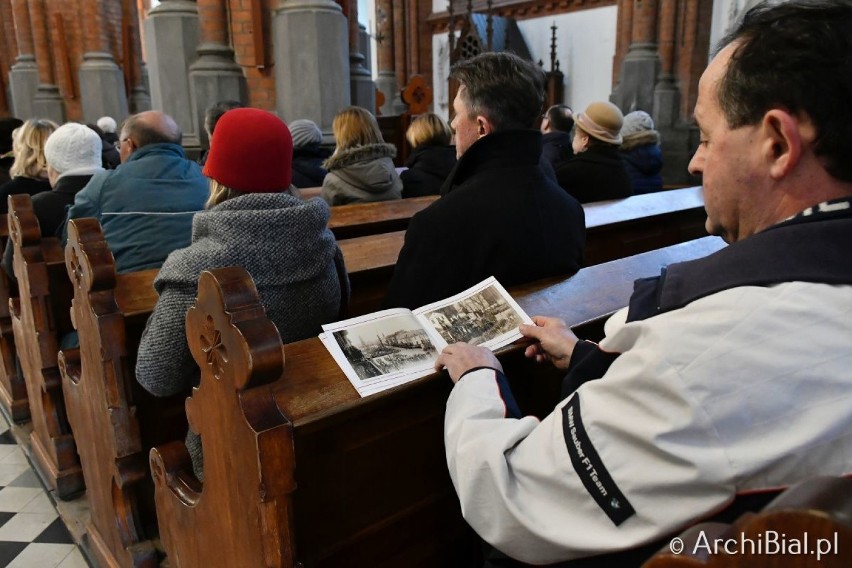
125,147
728,162
464,124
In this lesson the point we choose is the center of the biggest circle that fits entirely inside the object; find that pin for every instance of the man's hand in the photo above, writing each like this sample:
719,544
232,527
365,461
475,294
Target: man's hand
555,341
459,358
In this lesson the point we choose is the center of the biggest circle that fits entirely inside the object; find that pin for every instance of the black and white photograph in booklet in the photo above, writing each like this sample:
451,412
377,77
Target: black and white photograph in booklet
475,319
389,345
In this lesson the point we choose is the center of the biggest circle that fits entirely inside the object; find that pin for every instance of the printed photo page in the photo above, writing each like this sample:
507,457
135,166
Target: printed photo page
384,349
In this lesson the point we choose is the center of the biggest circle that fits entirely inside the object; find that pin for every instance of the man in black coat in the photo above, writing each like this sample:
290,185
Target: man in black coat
499,214
556,125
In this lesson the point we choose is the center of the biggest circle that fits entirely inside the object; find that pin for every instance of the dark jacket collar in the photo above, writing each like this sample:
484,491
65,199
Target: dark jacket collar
71,184
806,248
497,150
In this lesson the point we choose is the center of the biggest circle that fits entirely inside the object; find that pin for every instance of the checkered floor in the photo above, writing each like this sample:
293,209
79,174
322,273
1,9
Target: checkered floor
31,532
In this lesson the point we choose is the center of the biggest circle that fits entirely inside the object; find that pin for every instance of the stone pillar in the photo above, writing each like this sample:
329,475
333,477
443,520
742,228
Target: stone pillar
215,75
102,91
363,90
23,77
139,99
666,94
171,38
386,81
47,102
311,61
640,68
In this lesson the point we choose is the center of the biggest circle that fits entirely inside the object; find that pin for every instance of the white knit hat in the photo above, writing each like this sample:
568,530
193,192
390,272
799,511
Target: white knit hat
106,124
304,132
74,149
637,121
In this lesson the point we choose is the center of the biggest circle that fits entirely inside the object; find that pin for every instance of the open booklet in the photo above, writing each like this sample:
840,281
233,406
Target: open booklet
384,349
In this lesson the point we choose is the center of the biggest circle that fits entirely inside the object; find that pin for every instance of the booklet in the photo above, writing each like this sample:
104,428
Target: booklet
384,349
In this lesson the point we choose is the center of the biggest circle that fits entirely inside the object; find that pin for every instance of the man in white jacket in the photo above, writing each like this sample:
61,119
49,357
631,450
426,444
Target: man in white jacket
726,376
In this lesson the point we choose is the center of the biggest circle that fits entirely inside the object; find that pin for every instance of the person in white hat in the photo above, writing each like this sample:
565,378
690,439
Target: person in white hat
73,155
596,173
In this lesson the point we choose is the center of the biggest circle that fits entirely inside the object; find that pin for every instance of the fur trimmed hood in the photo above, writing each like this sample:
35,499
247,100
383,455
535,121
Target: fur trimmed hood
642,138
359,154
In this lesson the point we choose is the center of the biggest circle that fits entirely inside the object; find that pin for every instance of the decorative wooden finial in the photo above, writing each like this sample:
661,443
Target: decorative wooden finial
554,65
489,27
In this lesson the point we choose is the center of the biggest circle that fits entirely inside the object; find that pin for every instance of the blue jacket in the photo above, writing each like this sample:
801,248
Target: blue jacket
145,206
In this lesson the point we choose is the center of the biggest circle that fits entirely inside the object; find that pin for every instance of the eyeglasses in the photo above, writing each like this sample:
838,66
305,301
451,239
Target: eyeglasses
118,143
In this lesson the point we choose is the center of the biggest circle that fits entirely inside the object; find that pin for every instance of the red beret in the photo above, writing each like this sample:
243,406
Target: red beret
251,151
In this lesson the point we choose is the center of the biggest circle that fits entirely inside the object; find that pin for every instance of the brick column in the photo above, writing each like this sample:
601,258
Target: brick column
23,77
311,44
171,38
362,88
215,75
102,91
47,102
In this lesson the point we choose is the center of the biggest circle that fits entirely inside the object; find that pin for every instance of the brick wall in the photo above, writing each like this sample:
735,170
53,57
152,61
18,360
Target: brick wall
256,61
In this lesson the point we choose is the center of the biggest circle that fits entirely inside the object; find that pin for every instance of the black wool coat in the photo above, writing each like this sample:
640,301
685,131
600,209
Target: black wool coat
556,147
428,169
49,208
19,185
597,174
499,214
307,166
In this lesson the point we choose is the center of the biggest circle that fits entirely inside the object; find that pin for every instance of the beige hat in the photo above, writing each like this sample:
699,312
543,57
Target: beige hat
601,120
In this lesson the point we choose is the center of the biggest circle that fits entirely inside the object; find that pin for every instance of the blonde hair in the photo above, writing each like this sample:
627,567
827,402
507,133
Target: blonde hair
355,126
428,128
220,193
28,145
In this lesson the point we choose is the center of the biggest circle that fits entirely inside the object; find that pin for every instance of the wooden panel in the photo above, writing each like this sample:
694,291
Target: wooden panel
360,219
115,421
13,389
39,319
816,514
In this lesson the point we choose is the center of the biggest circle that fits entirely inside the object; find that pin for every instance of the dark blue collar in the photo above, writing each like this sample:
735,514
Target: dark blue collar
814,246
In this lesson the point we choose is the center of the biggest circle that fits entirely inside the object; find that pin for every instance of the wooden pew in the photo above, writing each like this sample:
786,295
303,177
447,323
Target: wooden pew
39,319
615,229
619,228
359,219
301,471
310,192
115,421
817,512
13,389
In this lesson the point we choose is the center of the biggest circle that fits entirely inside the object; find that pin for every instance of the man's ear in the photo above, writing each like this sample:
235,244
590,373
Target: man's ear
483,126
784,139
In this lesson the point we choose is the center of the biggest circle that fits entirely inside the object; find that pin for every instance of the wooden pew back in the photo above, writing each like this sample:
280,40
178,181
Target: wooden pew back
615,229
39,319
13,389
816,513
360,219
313,474
114,419
623,227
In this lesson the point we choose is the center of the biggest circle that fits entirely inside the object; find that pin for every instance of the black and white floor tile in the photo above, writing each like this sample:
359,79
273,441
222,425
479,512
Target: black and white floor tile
31,532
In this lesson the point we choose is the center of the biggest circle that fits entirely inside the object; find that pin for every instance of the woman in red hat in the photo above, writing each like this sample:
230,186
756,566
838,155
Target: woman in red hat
254,219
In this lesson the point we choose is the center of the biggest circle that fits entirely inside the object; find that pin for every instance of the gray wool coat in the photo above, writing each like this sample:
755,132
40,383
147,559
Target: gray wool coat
362,173
284,244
